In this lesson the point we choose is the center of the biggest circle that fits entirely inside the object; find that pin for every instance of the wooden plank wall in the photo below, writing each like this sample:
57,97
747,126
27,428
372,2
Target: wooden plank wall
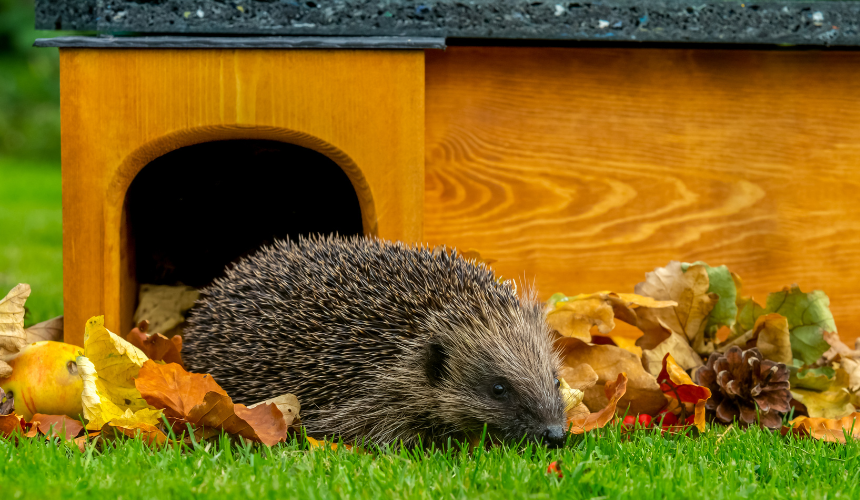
585,168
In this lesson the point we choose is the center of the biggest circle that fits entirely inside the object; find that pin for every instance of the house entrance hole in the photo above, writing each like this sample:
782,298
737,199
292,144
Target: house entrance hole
195,210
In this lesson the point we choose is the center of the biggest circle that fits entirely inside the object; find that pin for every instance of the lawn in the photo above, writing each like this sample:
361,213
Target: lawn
642,465
31,234
754,464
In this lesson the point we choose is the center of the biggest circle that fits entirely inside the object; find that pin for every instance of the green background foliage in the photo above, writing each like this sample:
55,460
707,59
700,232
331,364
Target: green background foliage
30,201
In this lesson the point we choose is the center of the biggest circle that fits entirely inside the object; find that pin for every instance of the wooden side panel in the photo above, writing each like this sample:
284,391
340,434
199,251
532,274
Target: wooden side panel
123,108
585,168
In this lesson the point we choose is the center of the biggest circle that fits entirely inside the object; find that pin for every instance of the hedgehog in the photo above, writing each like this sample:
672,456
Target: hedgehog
381,341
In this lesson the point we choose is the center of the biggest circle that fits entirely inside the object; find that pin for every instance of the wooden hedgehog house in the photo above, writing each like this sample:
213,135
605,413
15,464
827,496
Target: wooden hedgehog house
577,144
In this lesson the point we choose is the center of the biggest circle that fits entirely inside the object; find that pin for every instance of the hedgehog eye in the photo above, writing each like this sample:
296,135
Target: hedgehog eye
499,390
557,383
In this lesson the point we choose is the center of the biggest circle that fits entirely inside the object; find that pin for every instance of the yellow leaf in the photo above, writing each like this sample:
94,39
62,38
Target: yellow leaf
99,410
574,316
116,363
571,397
12,336
774,338
834,403
627,344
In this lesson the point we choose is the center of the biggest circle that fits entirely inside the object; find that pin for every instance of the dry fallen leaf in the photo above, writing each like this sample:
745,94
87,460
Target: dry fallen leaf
289,406
824,429
614,391
51,329
643,394
680,350
575,316
116,363
173,389
834,403
10,424
197,399
12,337
773,338
99,410
164,306
149,433
57,425
690,290
156,346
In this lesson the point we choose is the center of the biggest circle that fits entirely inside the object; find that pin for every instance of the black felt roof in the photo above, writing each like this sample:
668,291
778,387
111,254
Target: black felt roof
769,22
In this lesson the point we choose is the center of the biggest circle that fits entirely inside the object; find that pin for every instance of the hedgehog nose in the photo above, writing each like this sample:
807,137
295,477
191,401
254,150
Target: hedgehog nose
553,436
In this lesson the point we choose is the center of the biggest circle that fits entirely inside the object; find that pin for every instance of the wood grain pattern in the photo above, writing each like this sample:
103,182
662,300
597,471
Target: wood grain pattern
123,108
584,168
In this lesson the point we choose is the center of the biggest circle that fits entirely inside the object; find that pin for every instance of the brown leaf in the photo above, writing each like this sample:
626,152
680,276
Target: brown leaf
614,391
575,316
773,338
173,389
164,305
581,376
825,429
82,441
264,423
51,329
194,398
690,290
12,337
156,346
289,407
643,394
680,350
57,425
10,424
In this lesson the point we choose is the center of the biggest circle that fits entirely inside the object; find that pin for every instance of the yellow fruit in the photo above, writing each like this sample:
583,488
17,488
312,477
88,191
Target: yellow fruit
45,380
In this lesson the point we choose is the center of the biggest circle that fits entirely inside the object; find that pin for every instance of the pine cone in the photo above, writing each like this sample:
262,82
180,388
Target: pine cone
740,381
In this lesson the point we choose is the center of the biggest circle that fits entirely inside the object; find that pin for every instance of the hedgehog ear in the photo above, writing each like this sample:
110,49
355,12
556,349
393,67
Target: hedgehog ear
436,363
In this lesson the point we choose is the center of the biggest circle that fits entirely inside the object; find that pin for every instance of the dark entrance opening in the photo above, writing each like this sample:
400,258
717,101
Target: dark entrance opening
195,210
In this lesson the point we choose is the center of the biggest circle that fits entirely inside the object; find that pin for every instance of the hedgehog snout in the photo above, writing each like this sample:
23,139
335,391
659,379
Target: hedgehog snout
553,436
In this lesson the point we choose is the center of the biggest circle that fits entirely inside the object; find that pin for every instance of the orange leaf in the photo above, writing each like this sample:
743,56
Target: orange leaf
157,347
86,438
825,429
149,433
194,398
57,425
264,423
171,388
614,391
316,444
10,424
677,385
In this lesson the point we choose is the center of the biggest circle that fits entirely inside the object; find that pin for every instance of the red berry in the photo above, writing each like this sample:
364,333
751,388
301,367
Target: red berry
668,419
644,420
555,468
629,420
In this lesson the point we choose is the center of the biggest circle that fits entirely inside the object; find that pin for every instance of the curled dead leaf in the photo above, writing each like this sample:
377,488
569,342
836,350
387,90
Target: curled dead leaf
575,316
642,393
156,346
694,304
164,305
685,397
825,429
199,400
289,407
614,391
12,336
678,347
51,330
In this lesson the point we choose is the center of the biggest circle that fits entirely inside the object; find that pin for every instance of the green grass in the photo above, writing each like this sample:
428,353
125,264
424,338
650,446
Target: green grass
754,464
31,234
